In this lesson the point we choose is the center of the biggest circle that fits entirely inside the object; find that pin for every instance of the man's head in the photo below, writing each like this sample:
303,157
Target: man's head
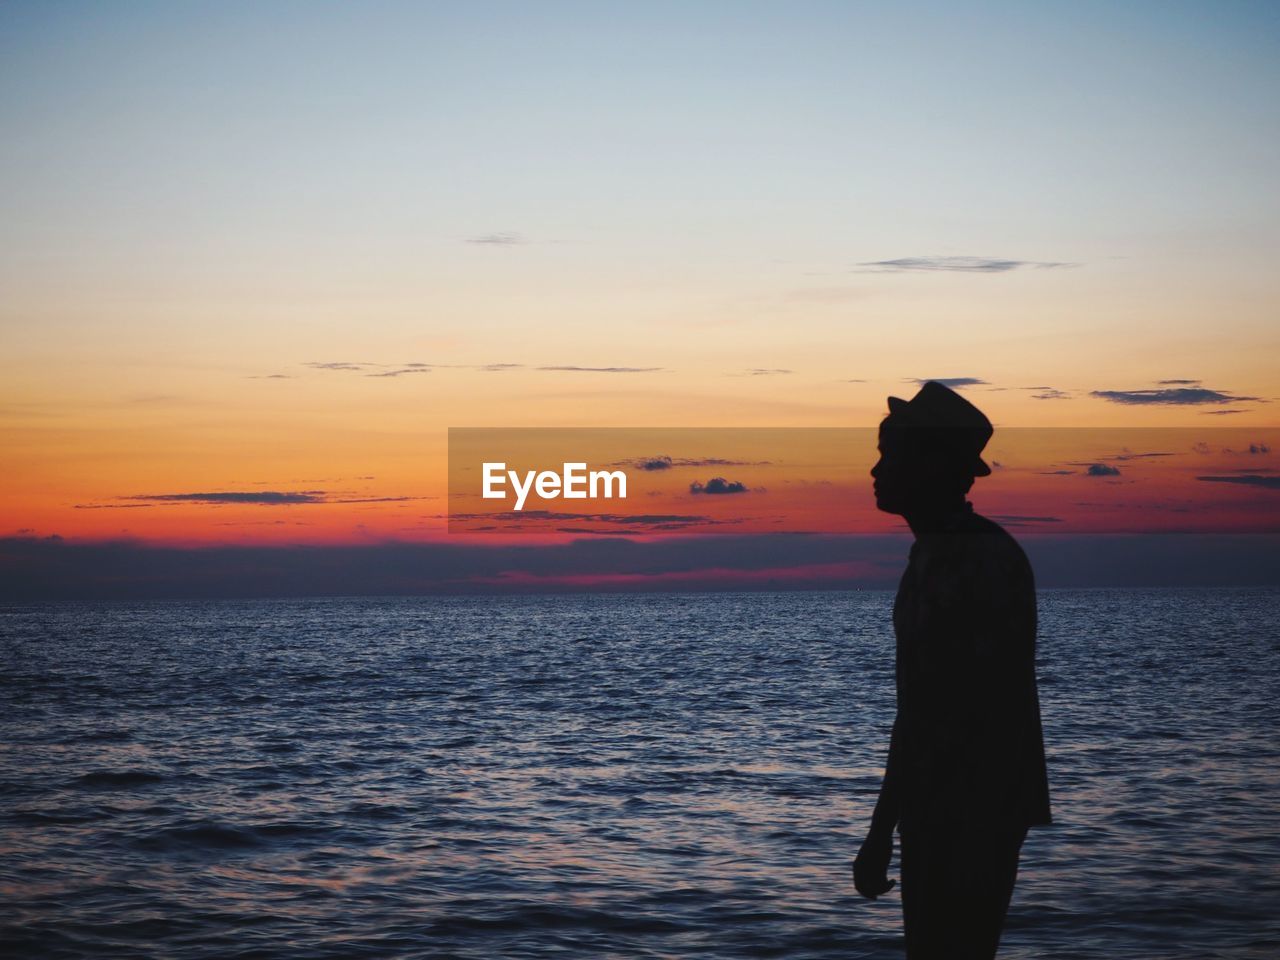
930,450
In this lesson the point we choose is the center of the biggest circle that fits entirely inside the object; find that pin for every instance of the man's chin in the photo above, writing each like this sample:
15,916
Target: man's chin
888,506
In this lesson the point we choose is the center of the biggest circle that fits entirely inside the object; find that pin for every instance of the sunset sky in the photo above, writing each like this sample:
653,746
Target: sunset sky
283,247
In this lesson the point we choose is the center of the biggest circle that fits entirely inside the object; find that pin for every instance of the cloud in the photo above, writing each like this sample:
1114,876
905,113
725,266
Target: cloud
654,463
1220,413
604,369
1102,470
1013,520
375,499
48,568
955,383
415,368
370,369
352,366
1055,473
1048,393
270,497
112,506
657,521
764,371
1130,455
267,498
718,485
498,239
271,376
1170,396
1259,448
262,523
129,569
663,462
955,265
1266,481
1179,383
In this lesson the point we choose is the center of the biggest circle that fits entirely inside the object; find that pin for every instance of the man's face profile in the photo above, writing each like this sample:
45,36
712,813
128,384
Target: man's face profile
917,471
893,475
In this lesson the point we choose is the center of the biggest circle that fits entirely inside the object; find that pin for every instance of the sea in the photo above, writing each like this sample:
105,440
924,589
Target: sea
602,776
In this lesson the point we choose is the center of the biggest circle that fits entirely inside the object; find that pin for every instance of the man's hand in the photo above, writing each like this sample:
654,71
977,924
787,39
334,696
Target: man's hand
871,866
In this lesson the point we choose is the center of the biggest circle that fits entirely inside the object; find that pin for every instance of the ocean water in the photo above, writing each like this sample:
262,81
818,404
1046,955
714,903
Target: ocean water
602,776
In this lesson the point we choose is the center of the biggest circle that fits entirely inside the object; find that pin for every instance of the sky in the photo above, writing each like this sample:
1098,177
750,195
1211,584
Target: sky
286,246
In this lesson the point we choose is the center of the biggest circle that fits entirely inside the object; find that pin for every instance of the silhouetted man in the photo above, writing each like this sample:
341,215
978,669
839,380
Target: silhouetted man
966,775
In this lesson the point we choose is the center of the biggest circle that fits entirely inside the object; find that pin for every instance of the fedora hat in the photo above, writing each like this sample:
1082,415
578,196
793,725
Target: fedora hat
959,427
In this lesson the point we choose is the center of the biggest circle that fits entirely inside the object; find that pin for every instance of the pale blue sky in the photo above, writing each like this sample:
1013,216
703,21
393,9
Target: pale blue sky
274,170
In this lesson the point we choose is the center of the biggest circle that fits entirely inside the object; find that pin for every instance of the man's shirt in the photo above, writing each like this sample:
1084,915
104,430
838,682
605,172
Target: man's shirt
968,730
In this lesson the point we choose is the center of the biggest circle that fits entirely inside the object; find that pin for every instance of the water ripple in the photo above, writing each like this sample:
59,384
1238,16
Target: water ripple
601,776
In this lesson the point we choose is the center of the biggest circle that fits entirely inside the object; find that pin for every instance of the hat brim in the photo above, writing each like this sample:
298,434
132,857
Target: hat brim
902,408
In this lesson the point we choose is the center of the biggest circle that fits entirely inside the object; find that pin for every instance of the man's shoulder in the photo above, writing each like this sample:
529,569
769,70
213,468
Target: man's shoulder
996,537
988,544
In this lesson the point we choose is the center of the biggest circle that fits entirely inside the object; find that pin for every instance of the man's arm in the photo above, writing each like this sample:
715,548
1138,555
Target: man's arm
871,866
